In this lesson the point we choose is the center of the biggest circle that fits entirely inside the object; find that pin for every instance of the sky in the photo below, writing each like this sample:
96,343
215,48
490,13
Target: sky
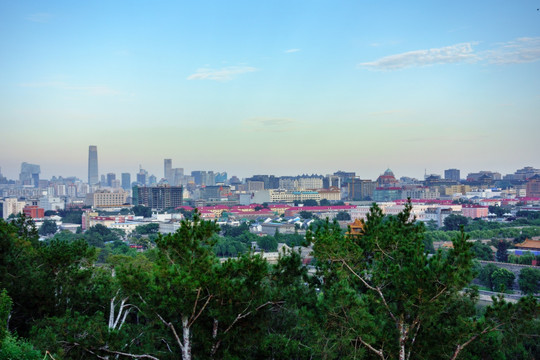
270,87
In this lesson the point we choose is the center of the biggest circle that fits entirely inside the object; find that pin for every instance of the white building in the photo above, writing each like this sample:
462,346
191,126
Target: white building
12,206
307,183
51,203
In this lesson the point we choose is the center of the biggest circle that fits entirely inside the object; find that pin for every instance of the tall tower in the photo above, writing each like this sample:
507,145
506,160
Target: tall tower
92,165
167,166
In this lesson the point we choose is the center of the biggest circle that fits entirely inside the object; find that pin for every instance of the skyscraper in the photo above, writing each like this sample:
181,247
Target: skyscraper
29,174
167,166
126,181
92,165
110,178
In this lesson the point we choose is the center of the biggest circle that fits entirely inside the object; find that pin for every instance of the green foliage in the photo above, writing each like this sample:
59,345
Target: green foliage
13,348
530,215
524,259
71,216
482,251
343,216
267,243
529,280
141,210
502,279
98,235
497,210
485,273
234,231
383,280
502,251
152,228
5,309
310,202
48,228
367,289
455,222
305,214
325,202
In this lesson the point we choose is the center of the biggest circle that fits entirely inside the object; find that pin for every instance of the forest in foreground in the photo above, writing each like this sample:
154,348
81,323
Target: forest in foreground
376,295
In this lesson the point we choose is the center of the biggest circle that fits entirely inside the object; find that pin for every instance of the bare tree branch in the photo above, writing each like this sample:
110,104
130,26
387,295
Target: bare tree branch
134,356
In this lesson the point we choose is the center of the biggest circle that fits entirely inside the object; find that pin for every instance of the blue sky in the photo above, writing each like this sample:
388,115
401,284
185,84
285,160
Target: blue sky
283,87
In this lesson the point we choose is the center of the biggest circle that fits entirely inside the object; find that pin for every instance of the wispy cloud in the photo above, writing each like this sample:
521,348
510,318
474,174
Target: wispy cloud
98,90
223,74
522,50
39,17
291,51
270,124
444,55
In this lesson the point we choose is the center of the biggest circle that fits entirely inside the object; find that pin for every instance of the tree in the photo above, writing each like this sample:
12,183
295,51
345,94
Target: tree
305,214
200,303
397,294
152,228
310,202
141,210
485,273
343,216
325,202
497,210
48,228
502,251
502,279
482,251
267,243
454,222
529,280
98,235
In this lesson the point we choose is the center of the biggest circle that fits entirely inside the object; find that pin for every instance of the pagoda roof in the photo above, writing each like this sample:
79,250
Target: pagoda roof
529,244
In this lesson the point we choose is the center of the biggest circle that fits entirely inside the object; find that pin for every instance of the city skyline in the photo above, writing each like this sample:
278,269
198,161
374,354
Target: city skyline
283,88
92,154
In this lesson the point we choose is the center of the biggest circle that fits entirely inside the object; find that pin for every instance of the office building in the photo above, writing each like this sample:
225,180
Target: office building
452,174
158,197
177,177
106,198
12,206
167,168
110,178
142,176
93,177
533,186
29,174
126,181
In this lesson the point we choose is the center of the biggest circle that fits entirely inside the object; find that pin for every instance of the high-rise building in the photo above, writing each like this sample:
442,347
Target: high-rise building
12,206
110,178
142,176
452,174
158,197
29,174
167,166
126,181
93,177
177,176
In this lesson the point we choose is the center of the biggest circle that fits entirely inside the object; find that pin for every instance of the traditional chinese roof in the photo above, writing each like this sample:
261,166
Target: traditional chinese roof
529,244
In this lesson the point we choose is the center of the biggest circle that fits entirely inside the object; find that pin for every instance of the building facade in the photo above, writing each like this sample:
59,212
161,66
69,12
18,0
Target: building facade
93,177
158,197
107,199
